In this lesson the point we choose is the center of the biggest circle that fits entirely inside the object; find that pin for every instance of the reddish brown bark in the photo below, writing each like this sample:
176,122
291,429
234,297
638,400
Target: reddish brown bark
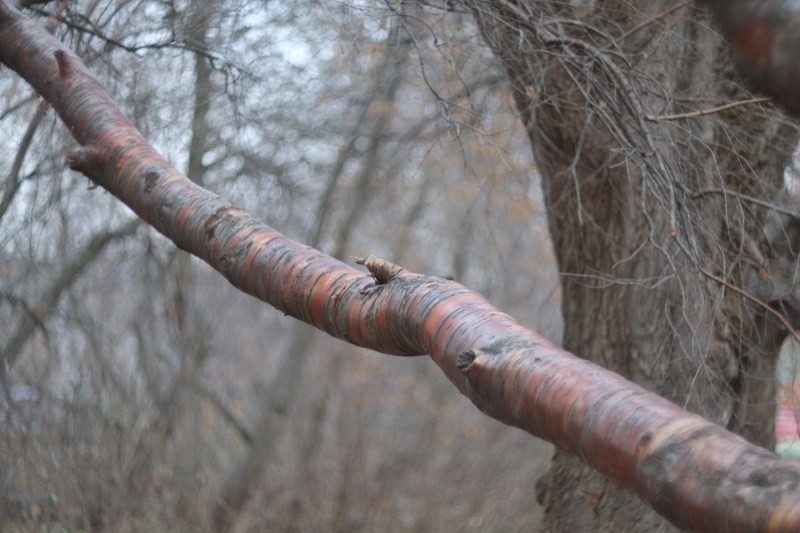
766,38
693,472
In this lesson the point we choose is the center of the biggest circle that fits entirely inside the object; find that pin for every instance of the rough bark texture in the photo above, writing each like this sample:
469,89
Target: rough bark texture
650,258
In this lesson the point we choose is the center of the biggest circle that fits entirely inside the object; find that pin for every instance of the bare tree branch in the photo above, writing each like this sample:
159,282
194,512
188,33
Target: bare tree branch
690,470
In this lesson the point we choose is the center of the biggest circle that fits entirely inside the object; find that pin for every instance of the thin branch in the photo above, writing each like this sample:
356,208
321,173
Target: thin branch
32,319
746,198
759,302
652,20
134,49
13,181
227,414
709,111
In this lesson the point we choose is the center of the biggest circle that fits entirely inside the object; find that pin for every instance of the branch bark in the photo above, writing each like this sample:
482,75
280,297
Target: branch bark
693,472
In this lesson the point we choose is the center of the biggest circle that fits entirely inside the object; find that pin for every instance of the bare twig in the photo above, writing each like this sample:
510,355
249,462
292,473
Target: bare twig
763,203
652,20
709,111
759,302
13,180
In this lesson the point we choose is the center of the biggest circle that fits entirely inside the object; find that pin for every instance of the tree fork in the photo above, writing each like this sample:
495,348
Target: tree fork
693,472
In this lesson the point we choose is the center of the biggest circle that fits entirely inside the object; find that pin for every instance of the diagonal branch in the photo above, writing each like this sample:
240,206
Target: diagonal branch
693,472
706,112
33,318
13,180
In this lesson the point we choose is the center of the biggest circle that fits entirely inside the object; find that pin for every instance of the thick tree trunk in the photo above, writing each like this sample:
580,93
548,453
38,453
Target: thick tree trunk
650,246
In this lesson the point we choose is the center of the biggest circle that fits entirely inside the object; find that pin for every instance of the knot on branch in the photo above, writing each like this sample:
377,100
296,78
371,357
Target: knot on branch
87,161
465,360
150,181
383,271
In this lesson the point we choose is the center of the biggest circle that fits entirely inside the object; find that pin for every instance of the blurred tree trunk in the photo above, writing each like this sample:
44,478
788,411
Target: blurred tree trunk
282,392
185,322
647,260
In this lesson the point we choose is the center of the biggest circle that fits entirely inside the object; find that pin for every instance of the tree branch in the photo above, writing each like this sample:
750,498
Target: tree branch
709,111
693,472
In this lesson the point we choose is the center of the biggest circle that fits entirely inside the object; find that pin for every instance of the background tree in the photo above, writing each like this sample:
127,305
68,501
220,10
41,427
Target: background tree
657,221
